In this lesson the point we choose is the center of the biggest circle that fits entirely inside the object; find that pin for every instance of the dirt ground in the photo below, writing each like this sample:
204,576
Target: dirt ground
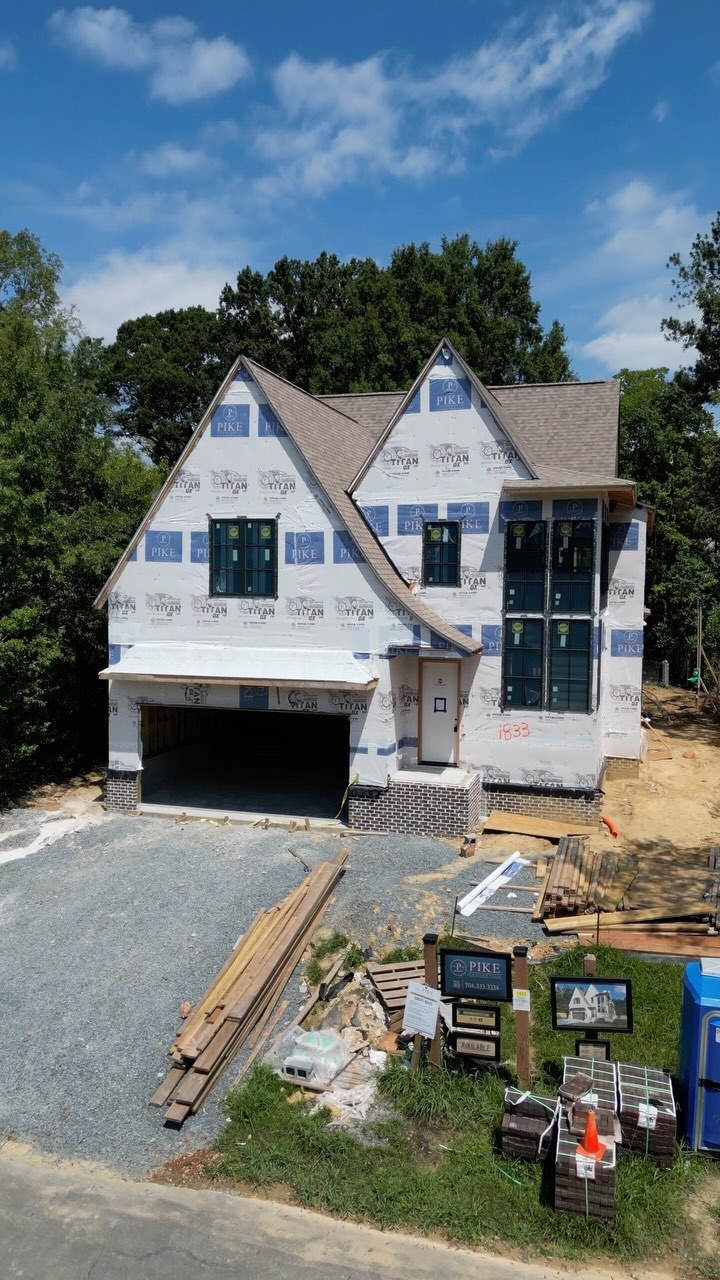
673,804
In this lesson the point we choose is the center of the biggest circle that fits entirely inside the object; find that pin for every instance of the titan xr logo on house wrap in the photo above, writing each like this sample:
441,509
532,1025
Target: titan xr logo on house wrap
353,608
408,697
471,579
185,484
350,704
449,457
120,605
620,591
398,460
625,695
163,605
227,482
206,609
197,694
304,608
257,609
302,700
279,483
498,451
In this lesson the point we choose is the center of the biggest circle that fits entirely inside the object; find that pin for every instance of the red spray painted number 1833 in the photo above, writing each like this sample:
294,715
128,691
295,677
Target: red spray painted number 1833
514,729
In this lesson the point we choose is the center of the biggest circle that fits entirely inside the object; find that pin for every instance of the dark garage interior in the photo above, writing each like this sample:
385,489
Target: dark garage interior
268,763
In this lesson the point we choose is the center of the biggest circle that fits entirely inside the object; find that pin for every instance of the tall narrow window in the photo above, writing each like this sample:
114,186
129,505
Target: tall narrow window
243,557
570,664
523,665
525,566
441,553
571,589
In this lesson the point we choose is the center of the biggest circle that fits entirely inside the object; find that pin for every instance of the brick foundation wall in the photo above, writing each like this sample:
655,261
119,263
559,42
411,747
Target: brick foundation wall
121,791
416,808
616,767
581,806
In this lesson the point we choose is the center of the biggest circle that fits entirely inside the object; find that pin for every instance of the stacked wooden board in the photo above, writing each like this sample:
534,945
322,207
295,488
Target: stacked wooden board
239,1004
648,1116
580,879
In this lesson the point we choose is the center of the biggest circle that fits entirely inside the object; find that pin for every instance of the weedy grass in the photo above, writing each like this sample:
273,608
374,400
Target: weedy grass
464,1189
330,946
400,955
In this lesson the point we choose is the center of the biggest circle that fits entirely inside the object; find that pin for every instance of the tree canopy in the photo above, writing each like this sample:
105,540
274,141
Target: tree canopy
331,326
697,287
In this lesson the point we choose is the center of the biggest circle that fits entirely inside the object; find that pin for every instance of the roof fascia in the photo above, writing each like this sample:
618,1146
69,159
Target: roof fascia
192,442
493,405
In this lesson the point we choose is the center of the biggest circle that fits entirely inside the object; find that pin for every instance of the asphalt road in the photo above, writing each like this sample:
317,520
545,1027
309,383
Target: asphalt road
60,1223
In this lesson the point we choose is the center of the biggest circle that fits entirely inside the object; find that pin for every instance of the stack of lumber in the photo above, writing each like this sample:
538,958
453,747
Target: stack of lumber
240,1002
581,880
391,984
648,1116
584,1187
527,1124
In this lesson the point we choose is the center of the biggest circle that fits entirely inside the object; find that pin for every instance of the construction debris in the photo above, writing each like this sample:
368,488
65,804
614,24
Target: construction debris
545,828
243,996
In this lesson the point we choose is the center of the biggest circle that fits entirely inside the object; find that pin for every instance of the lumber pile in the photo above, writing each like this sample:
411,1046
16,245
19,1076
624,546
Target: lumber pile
647,1112
239,1004
596,891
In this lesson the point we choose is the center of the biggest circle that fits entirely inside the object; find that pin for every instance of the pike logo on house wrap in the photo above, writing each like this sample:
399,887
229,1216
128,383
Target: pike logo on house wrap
449,394
574,508
379,519
625,535
164,546
302,700
206,609
268,423
353,609
163,606
305,548
228,484
510,511
414,405
397,460
230,420
491,637
345,549
304,609
626,644
254,697
121,605
199,546
197,694
278,483
474,517
185,484
410,517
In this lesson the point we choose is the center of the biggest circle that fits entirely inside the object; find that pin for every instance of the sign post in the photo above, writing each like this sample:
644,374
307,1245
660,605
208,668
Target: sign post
522,1016
430,957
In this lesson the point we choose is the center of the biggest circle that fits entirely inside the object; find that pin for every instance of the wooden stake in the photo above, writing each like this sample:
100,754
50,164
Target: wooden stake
522,1019
431,980
589,965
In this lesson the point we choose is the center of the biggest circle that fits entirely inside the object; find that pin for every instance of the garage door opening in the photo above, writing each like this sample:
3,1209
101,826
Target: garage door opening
265,763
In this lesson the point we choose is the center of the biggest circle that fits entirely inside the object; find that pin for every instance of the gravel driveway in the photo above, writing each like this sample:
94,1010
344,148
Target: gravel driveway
106,931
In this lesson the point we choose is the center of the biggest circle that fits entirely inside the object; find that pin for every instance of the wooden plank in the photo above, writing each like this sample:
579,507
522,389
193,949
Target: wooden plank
690,945
262,1041
572,924
176,1115
549,829
167,1087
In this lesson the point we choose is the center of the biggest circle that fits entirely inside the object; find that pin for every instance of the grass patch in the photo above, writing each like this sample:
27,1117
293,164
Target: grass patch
434,1166
330,946
399,955
314,972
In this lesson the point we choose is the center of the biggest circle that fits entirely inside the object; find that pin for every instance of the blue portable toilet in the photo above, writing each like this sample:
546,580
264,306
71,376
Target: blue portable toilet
700,1055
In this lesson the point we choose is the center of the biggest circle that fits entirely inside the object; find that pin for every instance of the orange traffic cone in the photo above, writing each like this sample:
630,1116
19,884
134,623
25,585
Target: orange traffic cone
591,1145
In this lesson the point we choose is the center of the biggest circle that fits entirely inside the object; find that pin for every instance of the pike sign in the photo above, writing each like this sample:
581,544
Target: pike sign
484,975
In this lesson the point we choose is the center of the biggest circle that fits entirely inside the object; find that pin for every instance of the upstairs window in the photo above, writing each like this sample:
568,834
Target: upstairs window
243,557
570,665
525,558
571,589
441,553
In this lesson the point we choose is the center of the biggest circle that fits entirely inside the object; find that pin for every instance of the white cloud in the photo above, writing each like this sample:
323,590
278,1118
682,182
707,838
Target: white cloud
123,285
659,111
172,158
641,227
182,65
337,123
8,56
630,337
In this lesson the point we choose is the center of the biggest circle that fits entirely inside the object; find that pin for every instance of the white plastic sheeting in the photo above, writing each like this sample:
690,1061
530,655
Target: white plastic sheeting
266,666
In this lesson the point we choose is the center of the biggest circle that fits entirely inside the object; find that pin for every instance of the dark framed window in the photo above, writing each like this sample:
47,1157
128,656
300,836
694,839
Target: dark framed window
523,662
243,557
441,553
570,664
525,565
571,588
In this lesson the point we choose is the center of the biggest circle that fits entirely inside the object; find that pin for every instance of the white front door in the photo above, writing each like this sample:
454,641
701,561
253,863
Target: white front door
439,719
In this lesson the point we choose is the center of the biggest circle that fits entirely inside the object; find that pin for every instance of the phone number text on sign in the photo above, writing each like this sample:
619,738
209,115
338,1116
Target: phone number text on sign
512,729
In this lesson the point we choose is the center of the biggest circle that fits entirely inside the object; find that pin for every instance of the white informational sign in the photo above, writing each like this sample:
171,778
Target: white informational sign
585,1167
422,1008
647,1116
521,1000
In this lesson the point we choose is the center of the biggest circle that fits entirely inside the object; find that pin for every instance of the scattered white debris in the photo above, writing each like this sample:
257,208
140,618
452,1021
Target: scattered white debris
50,831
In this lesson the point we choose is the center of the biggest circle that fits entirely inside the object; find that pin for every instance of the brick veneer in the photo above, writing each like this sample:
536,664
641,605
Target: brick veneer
585,806
416,808
121,790
617,767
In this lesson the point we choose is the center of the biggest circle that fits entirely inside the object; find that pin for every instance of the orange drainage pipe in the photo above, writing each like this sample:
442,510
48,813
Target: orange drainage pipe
611,827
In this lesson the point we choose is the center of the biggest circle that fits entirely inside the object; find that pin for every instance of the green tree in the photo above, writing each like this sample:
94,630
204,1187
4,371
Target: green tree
697,285
69,501
669,446
331,326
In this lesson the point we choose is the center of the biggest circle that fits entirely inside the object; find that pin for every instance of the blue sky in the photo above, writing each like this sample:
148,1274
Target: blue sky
160,147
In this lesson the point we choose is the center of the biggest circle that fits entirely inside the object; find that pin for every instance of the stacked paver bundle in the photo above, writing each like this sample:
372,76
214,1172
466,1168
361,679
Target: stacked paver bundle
527,1124
584,1185
648,1116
